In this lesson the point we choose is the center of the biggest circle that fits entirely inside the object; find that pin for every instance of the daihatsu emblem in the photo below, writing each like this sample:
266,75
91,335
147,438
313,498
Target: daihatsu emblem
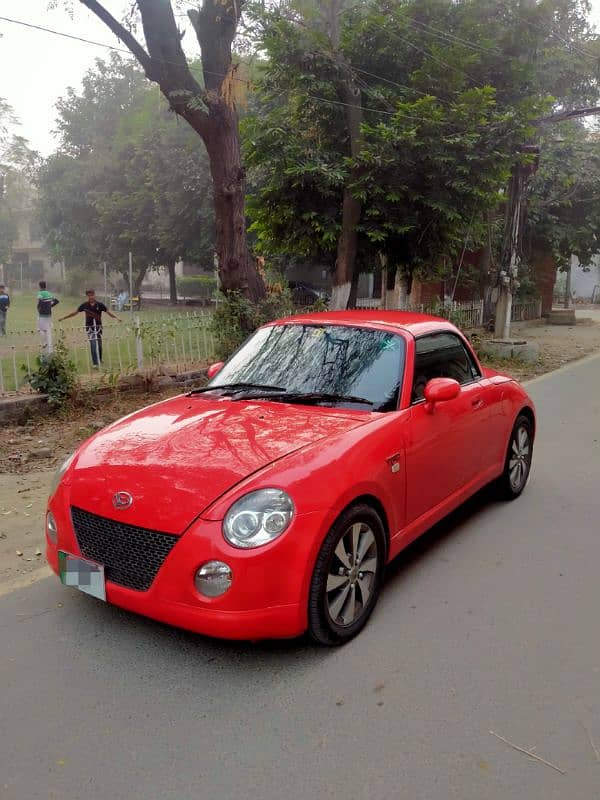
122,500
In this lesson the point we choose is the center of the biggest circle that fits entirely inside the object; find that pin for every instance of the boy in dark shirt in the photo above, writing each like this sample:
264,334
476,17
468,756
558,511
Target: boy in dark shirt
93,311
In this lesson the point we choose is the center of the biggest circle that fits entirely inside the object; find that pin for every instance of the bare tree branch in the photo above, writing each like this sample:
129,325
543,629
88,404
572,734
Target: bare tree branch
165,62
576,113
120,32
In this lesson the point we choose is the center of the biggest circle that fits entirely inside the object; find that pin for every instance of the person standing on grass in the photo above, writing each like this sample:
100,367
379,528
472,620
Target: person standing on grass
45,303
93,311
4,304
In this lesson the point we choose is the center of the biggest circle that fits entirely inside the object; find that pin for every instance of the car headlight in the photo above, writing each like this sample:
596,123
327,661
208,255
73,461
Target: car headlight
51,528
60,472
258,518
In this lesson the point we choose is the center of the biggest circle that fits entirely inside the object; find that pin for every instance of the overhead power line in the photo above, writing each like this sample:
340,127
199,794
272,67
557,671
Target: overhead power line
127,52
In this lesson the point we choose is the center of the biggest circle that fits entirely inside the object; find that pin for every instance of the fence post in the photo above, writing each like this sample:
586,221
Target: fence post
139,345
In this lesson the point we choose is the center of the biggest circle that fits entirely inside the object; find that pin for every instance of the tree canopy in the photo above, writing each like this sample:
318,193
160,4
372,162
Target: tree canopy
126,177
17,165
448,92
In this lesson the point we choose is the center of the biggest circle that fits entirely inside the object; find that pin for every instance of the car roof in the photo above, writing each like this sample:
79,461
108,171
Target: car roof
409,321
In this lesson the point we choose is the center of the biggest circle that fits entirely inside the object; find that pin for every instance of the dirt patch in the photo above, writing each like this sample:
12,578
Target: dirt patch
29,457
46,439
559,345
22,507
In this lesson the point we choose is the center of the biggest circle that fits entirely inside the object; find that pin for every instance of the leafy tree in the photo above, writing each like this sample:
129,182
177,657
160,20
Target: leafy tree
564,206
421,120
448,91
208,102
127,177
17,164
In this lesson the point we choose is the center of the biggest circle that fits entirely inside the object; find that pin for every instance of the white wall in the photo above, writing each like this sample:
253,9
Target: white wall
585,277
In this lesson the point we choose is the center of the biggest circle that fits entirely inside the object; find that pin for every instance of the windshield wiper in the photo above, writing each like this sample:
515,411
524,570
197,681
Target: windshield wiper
306,397
237,387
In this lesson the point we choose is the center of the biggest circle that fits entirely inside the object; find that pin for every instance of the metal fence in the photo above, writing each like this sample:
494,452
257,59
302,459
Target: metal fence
174,343
465,315
170,343
529,310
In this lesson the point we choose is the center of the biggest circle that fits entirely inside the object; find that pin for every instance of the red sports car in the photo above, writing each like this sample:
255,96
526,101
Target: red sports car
268,503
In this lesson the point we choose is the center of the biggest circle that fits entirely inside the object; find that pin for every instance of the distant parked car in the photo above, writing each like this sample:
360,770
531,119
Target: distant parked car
304,294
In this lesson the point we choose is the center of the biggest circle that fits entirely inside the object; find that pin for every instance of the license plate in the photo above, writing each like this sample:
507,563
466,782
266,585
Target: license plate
85,575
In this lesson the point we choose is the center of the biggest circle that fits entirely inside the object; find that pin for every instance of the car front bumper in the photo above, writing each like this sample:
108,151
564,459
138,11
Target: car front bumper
269,593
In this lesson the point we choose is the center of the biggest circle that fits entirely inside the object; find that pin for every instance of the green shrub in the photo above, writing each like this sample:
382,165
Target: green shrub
55,375
235,318
196,286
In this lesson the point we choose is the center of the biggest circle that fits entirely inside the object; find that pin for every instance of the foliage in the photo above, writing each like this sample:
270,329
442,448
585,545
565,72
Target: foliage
17,162
196,285
564,208
235,317
207,98
448,92
55,375
127,177
77,281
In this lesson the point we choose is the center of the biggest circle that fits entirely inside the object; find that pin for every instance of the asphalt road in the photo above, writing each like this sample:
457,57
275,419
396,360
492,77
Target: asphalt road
489,623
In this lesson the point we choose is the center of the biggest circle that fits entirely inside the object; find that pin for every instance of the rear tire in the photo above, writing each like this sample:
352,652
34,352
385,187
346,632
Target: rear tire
517,465
347,577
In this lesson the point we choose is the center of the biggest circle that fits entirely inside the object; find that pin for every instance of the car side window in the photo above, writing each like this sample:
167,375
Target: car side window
441,355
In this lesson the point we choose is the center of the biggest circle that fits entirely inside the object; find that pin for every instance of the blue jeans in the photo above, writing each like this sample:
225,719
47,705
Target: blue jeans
95,337
2,322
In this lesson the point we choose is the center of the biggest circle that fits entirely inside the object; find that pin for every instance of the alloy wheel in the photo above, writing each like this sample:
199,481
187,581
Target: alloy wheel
520,458
351,575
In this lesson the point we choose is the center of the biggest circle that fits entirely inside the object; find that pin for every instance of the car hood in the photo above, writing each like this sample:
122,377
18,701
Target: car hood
179,456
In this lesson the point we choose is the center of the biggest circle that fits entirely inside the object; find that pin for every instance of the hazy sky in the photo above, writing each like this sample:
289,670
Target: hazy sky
37,67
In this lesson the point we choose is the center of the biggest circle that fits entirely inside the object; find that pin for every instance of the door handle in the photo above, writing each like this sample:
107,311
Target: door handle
477,402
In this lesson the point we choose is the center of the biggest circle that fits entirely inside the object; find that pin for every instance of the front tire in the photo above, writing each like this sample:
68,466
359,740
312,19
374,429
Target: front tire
347,577
517,465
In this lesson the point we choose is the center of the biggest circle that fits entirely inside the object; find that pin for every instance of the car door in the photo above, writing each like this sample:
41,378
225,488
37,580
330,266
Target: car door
443,448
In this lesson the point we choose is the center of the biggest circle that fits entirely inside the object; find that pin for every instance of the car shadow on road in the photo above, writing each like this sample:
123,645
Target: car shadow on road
172,646
433,539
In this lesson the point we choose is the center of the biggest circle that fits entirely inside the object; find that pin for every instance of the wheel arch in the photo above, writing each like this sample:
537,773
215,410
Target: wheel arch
528,412
376,504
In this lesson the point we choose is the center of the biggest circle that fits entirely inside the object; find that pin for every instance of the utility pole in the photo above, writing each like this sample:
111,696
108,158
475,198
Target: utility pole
507,282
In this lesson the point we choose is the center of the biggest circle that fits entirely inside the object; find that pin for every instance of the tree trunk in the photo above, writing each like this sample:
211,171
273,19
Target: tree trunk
397,289
138,278
351,207
210,109
351,97
172,283
237,270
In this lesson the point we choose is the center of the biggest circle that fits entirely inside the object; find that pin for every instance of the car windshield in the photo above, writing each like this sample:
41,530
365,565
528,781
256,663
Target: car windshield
342,364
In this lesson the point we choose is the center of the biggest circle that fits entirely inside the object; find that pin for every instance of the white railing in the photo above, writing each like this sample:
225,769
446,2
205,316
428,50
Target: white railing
170,343
522,312
466,315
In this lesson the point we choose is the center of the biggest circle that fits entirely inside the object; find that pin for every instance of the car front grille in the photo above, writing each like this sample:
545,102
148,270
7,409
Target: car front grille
131,556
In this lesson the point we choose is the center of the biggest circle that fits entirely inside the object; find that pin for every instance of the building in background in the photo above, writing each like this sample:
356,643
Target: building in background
30,261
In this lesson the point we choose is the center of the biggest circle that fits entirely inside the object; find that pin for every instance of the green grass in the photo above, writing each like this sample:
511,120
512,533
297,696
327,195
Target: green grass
22,314
21,345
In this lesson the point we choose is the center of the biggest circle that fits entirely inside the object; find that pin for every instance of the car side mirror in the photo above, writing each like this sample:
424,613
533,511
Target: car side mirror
440,390
214,369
